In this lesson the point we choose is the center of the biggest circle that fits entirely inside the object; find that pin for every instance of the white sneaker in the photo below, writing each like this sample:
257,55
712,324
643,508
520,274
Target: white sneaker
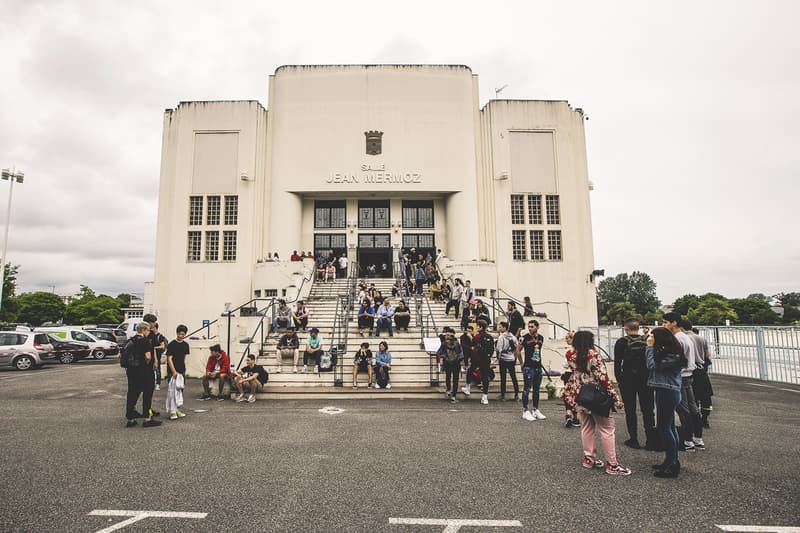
241,398
278,369
485,399
377,386
294,369
158,387
465,390
305,369
316,369
526,415
251,398
388,385
238,397
537,414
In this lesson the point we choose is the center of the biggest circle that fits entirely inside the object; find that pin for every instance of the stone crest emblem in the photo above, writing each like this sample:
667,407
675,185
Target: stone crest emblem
373,142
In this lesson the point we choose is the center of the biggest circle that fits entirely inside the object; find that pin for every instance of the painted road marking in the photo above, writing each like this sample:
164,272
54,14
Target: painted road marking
453,524
330,410
135,516
760,529
772,387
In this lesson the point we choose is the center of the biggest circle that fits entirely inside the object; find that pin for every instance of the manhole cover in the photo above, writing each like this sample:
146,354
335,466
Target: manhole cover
330,410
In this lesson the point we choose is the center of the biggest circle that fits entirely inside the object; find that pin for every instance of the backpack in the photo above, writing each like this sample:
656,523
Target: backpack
634,359
127,358
327,361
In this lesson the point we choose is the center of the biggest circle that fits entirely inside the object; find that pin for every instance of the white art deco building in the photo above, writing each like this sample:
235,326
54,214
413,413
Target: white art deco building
367,160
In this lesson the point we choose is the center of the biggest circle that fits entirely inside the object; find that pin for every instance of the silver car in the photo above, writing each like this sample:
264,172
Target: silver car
24,349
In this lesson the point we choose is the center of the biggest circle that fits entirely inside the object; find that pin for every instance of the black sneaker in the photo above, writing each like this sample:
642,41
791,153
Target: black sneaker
151,423
576,423
204,397
632,443
137,414
131,423
567,421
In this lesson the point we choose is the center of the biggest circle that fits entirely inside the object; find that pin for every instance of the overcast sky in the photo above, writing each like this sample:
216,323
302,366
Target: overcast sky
692,142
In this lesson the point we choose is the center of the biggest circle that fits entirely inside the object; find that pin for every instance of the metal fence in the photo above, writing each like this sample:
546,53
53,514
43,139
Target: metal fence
760,352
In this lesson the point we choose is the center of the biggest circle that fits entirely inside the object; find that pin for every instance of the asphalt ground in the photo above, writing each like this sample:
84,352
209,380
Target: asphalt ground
284,466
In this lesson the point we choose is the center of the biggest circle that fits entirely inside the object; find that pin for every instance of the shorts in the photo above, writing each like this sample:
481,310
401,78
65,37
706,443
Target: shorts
362,366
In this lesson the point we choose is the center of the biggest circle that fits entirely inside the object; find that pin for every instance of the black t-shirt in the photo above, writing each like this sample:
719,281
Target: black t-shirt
515,322
141,347
530,344
178,351
291,342
246,372
159,339
152,338
363,358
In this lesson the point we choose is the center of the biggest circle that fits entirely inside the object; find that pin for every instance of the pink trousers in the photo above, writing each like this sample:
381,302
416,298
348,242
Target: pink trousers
603,426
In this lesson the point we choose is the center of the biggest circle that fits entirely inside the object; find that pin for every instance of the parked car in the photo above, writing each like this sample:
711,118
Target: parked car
24,349
100,348
68,351
108,335
129,327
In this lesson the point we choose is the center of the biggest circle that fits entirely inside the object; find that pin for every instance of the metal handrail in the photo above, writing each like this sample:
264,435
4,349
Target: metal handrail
427,328
522,304
259,329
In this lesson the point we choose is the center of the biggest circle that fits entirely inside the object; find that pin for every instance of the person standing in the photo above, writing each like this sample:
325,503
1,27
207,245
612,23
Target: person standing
455,297
630,369
177,351
689,414
531,347
701,384
665,359
505,349
159,344
467,295
153,339
588,367
419,278
482,359
343,266
452,354
515,321
140,379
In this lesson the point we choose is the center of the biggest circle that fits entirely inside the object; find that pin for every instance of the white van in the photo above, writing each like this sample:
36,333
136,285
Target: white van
129,327
99,348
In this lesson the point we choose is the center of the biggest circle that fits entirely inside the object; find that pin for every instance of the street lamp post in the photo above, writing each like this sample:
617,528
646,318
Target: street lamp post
12,176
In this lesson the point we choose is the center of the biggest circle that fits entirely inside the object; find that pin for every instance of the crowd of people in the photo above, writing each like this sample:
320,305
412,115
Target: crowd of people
662,373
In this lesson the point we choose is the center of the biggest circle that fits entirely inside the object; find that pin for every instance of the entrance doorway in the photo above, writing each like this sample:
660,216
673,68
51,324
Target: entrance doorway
380,258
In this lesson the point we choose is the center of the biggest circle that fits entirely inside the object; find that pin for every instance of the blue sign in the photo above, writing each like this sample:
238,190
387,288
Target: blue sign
206,323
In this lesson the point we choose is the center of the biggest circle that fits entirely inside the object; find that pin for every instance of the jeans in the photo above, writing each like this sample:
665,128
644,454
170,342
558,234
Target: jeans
280,322
689,414
158,373
140,382
452,370
666,403
631,387
314,356
604,427
531,382
484,370
509,367
384,321
402,321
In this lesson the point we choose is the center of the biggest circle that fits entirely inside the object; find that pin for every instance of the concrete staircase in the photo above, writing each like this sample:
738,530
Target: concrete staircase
411,370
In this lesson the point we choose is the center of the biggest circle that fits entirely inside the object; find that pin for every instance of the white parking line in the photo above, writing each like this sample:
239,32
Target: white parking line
760,529
452,525
135,516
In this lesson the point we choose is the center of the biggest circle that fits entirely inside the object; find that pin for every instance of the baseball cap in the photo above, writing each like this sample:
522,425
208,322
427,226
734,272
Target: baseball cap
313,330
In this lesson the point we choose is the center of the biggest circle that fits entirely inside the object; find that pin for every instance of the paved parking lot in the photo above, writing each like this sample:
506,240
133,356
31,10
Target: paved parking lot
379,465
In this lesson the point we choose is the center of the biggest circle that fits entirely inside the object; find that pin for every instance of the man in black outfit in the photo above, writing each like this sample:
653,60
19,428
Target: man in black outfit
630,368
140,379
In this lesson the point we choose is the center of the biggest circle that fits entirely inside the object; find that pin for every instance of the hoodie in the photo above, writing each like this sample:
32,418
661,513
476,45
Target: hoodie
505,346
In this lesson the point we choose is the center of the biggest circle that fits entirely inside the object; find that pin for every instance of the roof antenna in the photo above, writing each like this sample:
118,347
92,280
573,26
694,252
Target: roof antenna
498,90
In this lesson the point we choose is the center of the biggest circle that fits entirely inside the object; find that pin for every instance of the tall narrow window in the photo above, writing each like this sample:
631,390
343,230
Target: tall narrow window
231,210
212,210
537,245
554,245
417,214
373,214
329,214
193,246
229,246
553,209
518,245
517,209
195,210
534,209
212,246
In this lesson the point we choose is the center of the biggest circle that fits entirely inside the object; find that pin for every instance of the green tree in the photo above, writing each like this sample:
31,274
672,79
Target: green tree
712,311
638,289
684,303
91,309
653,317
788,298
760,297
754,310
10,308
38,307
791,314
620,311
124,299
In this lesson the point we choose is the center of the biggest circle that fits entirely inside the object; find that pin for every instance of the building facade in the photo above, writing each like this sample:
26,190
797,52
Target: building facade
367,160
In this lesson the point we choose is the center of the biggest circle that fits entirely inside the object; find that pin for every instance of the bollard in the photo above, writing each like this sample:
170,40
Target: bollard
761,353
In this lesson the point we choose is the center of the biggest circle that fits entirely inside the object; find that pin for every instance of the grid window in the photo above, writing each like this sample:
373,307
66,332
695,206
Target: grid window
553,209
231,210
518,250
212,210
329,214
418,214
229,246
212,246
373,214
480,292
554,245
195,210
537,245
193,246
534,209
327,241
270,293
517,209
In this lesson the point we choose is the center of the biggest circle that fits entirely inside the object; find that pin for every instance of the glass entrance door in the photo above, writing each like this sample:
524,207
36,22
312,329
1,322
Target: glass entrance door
375,255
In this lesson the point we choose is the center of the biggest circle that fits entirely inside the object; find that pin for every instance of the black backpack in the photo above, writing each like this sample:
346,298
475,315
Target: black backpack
127,358
634,359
